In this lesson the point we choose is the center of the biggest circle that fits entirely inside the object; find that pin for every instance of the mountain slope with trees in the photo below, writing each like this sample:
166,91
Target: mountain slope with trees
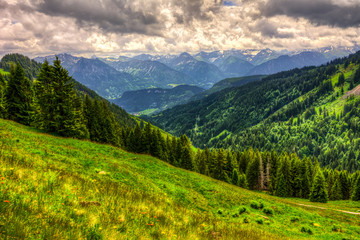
224,119
156,99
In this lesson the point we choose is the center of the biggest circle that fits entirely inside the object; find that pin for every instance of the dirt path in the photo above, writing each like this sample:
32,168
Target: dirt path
353,213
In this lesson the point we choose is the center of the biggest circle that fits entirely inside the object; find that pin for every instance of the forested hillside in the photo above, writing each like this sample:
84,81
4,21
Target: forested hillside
156,99
297,94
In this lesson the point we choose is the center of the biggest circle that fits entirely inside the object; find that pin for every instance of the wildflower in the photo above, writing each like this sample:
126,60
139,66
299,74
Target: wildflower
152,224
2,182
154,216
6,201
2,178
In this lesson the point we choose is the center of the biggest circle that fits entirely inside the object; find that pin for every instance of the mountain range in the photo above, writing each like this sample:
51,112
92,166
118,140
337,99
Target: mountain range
111,77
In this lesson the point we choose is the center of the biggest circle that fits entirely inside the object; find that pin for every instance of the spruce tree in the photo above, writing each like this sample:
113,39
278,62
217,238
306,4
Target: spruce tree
336,193
319,189
252,173
2,96
235,177
281,188
356,192
242,181
18,96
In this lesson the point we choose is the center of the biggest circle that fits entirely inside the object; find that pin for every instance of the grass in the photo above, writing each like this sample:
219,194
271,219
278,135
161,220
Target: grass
58,188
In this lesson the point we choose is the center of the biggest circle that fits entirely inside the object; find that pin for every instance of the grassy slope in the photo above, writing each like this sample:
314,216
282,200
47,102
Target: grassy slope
69,189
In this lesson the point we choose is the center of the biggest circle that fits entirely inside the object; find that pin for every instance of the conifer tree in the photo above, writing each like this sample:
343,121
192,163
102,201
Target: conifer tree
252,173
44,96
336,193
281,188
242,181
18,96
356,192
2,96
319,189
235,177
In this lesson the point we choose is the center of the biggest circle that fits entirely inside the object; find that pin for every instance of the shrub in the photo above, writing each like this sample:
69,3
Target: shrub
220,212
259,221
246,220
242,210
294,219
306,230
256,205
268,211
336,228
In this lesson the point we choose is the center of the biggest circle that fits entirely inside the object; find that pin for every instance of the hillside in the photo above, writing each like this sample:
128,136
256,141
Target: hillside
285,62
156,99
278,97
32,68
227,83
58,188
151,73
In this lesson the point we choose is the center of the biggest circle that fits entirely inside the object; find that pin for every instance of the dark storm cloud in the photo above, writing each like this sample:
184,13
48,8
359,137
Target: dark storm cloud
320,12
118,16
269,30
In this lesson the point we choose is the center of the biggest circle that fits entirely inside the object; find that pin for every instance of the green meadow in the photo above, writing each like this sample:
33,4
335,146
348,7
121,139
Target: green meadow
62,188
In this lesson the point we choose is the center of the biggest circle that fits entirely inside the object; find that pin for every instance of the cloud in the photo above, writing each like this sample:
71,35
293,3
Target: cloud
118,27
343,13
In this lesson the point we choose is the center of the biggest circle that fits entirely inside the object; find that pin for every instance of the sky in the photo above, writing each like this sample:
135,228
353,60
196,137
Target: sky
129,27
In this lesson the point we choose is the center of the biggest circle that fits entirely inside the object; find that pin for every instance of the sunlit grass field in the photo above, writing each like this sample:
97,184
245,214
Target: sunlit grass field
57,188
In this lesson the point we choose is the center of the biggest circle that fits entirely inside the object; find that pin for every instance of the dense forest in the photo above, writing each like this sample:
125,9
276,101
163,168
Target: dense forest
308,111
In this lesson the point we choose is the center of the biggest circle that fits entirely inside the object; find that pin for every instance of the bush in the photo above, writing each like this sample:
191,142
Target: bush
242,210
259,221
256,205
219,212
306,230
268,211
294,219
336,228
246,220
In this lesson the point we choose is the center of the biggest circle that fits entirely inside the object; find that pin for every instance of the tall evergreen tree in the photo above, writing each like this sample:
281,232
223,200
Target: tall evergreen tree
281,188
336,193
252,172
319,189
356,192
242,181
235,177
18,96
2,96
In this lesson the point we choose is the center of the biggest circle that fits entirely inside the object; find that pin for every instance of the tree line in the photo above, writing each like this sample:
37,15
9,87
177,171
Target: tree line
51,103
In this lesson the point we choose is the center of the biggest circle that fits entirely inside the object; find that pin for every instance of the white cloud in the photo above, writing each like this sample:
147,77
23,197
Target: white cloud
168,26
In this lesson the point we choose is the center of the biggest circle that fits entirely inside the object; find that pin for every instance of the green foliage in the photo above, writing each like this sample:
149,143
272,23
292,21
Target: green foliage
19,96
256,205
356,194
242,210
294,219
268,211
305,229
2,96
336,193
281,188
30,67
318,191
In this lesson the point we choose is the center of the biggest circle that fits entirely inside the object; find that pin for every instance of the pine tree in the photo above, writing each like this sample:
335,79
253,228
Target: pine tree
281,188
2,96
336,193
319,189
242,181
252,173
44,96
18,96
356,192
235,177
